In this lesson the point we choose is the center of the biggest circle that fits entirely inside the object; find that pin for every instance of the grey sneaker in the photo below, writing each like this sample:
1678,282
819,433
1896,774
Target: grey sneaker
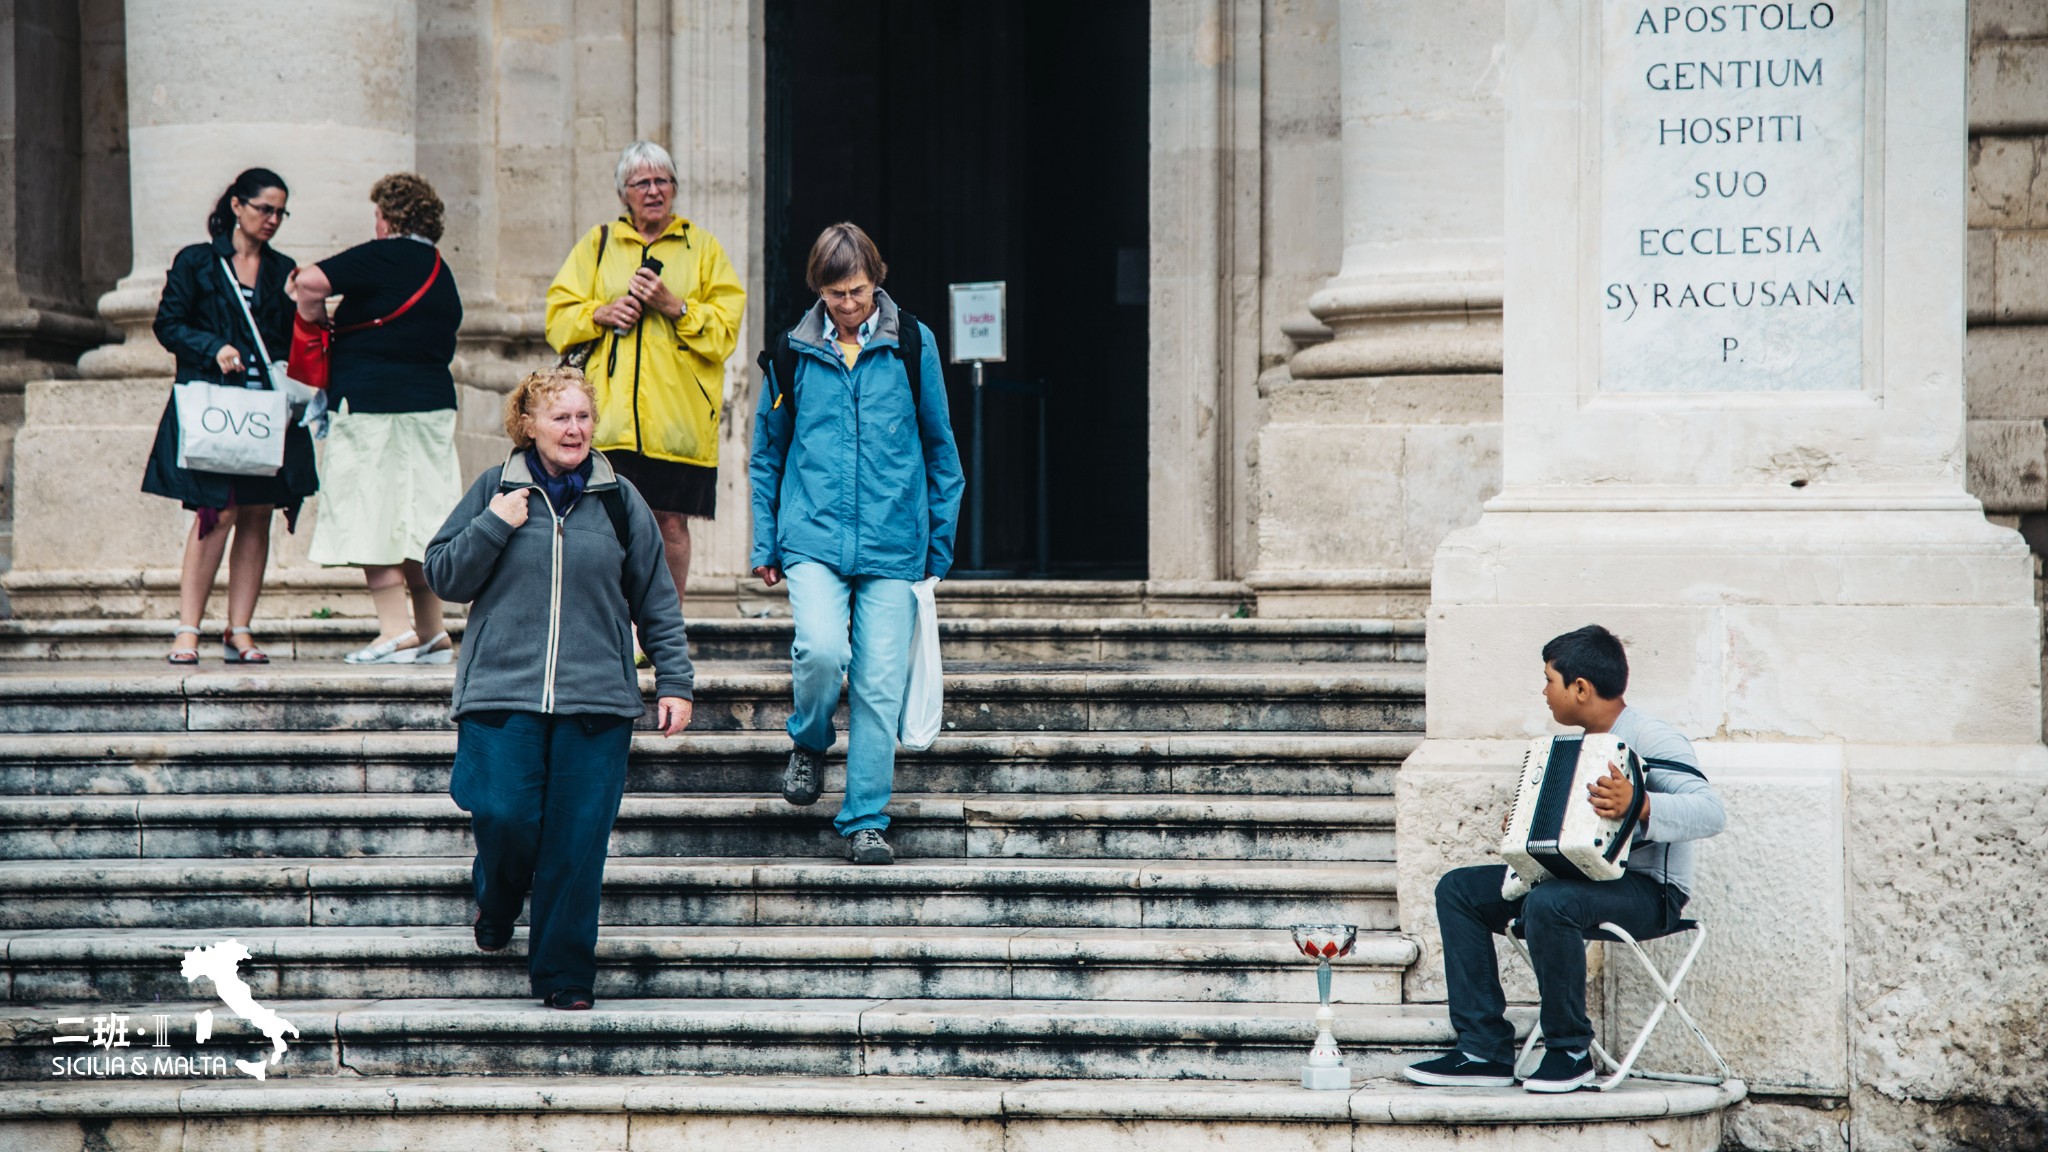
867,847
804,778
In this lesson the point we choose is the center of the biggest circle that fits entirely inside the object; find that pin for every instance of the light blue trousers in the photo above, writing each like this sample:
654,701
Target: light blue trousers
854,630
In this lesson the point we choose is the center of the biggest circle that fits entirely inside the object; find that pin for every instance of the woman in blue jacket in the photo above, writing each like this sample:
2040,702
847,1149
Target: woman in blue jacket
856,489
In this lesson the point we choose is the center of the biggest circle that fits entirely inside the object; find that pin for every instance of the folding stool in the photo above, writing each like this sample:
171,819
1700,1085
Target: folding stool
1612,933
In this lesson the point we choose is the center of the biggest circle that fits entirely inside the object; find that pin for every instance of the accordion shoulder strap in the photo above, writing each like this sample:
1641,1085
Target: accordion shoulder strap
1673,766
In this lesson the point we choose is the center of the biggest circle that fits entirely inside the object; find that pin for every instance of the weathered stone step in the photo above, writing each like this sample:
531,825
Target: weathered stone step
436,891
141,965
1255,763
923,825
464,1113
974,640
872,1036
115,697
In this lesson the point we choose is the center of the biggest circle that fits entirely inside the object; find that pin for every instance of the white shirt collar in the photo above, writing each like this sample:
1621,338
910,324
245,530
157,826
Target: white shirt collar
868,327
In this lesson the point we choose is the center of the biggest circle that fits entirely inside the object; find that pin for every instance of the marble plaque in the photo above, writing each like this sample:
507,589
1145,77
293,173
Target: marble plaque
1731,196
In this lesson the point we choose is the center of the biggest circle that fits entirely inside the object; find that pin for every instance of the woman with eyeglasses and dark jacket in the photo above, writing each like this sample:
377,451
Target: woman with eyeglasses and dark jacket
201,322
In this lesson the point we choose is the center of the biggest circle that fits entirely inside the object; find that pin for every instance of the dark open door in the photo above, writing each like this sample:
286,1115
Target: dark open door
994,140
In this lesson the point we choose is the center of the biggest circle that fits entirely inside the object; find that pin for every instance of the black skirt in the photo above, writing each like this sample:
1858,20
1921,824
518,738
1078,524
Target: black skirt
667,486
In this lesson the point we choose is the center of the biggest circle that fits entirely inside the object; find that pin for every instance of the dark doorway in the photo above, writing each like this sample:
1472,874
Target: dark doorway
995,140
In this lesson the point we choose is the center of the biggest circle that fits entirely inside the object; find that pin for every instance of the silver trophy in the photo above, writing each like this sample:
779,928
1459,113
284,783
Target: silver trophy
1324,943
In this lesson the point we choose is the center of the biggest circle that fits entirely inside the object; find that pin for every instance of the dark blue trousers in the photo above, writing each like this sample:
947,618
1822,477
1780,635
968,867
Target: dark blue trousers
1555,916
542,793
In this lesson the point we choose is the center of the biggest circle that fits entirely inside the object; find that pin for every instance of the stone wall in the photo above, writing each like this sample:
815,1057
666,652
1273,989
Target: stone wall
2007,364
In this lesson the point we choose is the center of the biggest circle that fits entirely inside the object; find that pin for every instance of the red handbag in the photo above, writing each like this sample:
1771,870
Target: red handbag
312,348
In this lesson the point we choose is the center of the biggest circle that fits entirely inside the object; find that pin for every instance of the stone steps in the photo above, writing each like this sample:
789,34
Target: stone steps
923,826
1132,763
1099,860
868,1036
970,640
140,966
599,1114
82,697
211,893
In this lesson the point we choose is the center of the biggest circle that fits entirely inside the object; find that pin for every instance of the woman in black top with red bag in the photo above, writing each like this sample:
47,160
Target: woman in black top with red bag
391,475
202,324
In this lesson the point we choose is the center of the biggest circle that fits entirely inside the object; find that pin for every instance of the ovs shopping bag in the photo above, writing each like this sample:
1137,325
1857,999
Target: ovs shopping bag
230,429
924,703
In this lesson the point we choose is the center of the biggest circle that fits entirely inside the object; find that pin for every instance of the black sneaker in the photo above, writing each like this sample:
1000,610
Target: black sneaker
1461,1071
491,936
867,847
570,999
1560,1072
804,778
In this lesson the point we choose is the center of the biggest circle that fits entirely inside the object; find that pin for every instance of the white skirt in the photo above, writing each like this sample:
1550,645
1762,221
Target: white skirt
387,481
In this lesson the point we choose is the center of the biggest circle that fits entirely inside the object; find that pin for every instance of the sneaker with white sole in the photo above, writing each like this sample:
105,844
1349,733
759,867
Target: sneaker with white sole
1458,1070
1561,1072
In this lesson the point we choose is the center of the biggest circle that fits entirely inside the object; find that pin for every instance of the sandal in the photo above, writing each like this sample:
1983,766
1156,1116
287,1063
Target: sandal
387,651
233,655
439,650
184,654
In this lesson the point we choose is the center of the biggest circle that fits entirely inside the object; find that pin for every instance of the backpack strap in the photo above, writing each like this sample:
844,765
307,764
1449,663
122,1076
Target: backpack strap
910,350
778,367
614,501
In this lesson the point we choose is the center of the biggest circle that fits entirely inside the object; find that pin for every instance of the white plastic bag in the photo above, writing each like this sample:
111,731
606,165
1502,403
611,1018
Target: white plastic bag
231,429
924,703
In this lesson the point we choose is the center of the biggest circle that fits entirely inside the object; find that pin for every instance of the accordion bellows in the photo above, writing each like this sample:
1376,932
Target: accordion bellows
1554,831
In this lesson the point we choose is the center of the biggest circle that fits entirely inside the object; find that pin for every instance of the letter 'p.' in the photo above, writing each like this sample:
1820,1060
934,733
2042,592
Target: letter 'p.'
1728,344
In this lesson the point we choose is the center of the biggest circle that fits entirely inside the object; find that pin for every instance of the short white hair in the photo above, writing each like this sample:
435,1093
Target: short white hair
644,154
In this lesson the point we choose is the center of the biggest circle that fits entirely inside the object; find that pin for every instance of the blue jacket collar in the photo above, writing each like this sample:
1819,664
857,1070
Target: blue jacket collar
814,331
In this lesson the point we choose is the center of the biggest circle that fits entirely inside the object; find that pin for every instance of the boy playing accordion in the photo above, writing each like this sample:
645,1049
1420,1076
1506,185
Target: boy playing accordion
1584,673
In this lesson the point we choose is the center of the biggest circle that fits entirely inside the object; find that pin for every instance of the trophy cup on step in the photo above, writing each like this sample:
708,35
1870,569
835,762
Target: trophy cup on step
1324,943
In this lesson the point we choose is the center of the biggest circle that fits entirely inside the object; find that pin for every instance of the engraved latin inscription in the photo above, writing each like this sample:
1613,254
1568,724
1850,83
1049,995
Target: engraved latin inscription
1731,171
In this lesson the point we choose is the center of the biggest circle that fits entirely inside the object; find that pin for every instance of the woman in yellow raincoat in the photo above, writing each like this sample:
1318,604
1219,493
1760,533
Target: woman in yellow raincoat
659,306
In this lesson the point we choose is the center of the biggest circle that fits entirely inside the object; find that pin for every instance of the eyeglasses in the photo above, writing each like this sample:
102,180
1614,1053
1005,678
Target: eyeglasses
661,182
266,211
856,294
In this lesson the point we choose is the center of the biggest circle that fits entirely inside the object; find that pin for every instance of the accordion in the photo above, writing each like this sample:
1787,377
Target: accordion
1553,830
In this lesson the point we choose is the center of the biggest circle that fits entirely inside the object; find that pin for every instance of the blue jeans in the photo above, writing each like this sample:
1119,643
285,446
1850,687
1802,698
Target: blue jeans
857,630
542,793
1555,916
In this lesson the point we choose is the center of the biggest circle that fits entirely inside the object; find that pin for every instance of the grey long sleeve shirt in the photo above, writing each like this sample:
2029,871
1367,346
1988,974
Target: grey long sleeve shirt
1683,807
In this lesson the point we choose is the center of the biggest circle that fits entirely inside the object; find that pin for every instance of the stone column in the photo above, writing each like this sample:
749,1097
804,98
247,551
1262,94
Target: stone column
1202,300
717,76
330,110
1384,433
1764,497
326,99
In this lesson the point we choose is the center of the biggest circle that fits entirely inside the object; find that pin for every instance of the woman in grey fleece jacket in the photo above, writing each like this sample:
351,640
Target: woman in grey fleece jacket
559,559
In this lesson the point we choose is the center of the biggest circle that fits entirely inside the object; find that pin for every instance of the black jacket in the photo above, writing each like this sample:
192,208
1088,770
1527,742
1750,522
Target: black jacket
196,317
